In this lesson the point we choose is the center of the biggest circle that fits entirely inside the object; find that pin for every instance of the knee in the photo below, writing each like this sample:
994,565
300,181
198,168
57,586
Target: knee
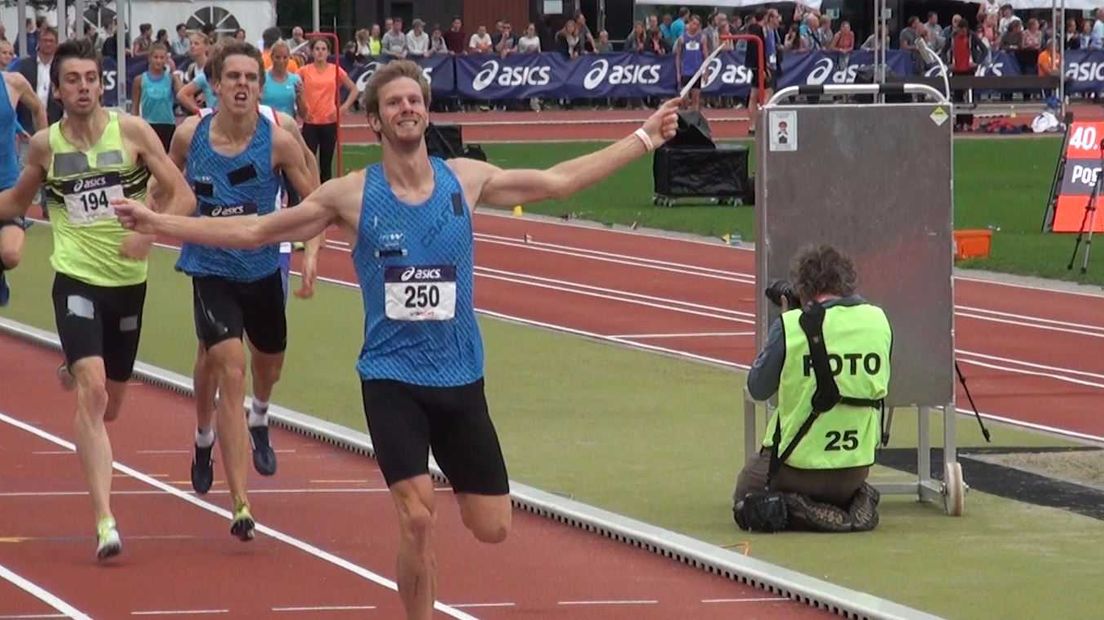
269,373
93,400
10,257
490,529
416,521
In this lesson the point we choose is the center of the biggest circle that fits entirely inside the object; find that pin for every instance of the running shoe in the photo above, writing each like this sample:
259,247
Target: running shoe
108,544
264,457
203,469
5,291
243,524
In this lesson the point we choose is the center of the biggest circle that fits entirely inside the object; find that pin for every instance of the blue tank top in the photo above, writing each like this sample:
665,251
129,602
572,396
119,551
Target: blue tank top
693,55
240,186
157,99
208,93
280,95
414,266
9,159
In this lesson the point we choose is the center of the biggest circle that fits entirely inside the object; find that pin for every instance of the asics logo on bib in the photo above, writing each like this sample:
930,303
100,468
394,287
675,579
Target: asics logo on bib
871,363
81,185
416,274
225,211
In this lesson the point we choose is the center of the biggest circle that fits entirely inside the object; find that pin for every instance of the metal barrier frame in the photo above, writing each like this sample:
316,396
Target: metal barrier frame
950,492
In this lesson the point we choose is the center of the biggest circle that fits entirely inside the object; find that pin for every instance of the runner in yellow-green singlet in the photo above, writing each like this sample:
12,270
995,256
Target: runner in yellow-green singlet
85,160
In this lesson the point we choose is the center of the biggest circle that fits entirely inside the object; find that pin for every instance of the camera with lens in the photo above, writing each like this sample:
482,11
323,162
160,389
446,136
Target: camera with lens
782,289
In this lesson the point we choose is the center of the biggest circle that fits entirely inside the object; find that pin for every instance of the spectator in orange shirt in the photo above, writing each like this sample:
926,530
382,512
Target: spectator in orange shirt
269,37
320,80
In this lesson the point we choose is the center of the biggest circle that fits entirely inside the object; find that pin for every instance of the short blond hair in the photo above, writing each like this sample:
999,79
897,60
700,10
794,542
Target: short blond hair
394,70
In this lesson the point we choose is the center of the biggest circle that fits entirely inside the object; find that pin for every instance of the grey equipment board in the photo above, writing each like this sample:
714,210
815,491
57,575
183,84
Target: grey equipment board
875,181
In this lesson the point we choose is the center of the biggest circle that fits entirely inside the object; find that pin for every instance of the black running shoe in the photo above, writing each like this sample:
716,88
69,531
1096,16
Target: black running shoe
203,470
264,457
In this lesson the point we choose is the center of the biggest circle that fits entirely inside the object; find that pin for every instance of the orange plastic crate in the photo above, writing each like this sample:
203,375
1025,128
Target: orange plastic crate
972,243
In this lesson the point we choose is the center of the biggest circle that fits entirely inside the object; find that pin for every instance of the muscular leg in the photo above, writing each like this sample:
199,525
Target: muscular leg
266,369
93,444
227,361
116,391
417,564
205,382
486,516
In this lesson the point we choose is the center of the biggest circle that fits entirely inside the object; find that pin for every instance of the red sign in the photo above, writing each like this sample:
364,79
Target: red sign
1080,167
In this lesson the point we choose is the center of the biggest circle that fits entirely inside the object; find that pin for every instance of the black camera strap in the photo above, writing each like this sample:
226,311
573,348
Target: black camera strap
827,394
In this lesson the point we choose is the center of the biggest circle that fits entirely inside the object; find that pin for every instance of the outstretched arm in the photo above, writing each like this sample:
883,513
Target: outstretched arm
305,182
308,219
505,188
29,99
186,97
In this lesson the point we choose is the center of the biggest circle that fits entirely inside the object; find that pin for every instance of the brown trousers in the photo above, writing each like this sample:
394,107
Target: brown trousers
829,486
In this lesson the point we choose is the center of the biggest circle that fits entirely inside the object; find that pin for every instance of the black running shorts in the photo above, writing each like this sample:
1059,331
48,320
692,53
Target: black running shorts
99,321
406,420
225,309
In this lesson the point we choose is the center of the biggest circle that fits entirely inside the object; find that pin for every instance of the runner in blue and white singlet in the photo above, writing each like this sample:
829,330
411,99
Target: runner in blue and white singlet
421,365
691,50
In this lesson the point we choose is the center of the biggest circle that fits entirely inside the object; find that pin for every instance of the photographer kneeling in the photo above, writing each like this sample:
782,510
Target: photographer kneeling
827,357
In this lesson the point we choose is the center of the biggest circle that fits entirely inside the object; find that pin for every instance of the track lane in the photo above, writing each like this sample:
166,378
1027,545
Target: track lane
339,505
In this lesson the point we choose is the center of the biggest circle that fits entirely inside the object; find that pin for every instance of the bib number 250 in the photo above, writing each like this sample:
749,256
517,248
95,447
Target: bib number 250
847,440
422,296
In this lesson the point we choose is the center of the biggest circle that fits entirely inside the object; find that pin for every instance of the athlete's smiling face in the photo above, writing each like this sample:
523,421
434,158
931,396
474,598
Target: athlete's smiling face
79,86
239,86
402,111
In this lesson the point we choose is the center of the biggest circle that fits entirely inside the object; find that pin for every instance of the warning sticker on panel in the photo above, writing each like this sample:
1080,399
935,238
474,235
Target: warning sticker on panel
783,130
939,116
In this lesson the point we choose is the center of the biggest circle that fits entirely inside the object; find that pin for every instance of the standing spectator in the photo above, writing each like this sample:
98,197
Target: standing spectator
110,47
1073,39
690,52
437,43
417,41
1096,39
987,8
30,27
907,39
163,38
638,39
455,38
269,38
1013,39
603,45
657,44
153,94
282,90
935,37
664,27
375,41
568,41
363,48
7,54
239,35
844,41
1032,37
394,41
824,34
529,43
506,43
583,31
37,71
142,42
320,80
182,45
1085,38
480,42
196,79
764,27
678,27
1007,18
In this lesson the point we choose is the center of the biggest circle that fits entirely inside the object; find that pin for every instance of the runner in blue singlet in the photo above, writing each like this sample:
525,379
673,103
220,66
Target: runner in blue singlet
14,89
421,365
691,49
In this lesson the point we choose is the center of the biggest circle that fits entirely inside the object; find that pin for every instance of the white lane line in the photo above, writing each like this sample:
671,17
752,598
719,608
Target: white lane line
1029,364
1028,317
1047,375
52,452
20,616
753,599
180,612
162,451
364,481
1031,287
687,335
326,608
41,594
287,539
1049,328
627,602
479,605
212,492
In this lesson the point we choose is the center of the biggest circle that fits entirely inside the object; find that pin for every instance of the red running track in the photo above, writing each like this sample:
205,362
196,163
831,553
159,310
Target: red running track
1033,356
180,557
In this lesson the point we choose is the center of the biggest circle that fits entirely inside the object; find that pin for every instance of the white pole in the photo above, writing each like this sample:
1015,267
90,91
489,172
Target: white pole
21,21
120,54
317,20
1062,69
78,17
62,21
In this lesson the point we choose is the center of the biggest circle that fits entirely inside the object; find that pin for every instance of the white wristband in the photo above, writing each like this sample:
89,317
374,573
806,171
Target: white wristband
645,138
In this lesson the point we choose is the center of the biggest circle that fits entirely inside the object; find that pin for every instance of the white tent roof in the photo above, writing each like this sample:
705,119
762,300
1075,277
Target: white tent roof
813,4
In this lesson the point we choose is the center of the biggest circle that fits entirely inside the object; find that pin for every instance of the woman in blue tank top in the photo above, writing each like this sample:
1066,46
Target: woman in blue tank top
282,90
154,94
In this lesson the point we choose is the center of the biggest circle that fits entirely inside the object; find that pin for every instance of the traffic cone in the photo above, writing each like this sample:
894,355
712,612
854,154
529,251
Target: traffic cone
518,211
